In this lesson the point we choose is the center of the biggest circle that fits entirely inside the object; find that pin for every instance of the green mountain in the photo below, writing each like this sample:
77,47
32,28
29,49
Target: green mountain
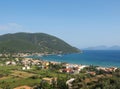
34,42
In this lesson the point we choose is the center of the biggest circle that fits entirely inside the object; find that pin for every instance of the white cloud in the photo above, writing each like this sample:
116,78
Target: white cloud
12,28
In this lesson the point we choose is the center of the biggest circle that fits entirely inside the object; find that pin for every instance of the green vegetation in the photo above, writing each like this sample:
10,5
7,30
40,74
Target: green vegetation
33,42
13,75
97,83
100,81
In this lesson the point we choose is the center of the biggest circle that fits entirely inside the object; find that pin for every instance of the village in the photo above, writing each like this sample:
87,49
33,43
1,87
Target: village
34,66
67,68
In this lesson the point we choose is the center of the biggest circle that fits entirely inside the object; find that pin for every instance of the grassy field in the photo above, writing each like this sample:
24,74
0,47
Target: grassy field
13,76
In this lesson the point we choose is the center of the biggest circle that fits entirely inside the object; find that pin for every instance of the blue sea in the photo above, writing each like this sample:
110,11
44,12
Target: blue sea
98,58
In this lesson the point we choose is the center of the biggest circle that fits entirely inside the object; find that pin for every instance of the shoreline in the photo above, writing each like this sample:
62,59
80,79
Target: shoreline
59,55
74,63
60,59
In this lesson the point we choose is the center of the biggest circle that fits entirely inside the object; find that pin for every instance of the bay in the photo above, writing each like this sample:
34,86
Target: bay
105,58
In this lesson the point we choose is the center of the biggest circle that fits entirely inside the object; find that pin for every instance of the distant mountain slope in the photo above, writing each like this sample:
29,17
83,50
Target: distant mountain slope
34,42
116,47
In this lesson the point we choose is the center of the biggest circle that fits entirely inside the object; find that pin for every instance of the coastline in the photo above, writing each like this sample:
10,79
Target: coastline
111,59
85,58
86,65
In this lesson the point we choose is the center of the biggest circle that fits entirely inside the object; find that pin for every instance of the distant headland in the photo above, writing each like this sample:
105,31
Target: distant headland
34,43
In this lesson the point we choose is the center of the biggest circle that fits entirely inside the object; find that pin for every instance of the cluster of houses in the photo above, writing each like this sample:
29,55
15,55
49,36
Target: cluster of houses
108,70
75,69
104,69
72,68
27,63
68,68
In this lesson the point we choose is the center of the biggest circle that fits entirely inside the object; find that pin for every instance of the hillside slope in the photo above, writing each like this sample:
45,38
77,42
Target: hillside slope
34,42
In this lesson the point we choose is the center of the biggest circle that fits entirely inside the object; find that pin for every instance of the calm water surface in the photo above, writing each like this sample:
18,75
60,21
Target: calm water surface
100,58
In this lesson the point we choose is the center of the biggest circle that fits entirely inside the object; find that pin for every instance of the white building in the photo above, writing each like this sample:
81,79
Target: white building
26,68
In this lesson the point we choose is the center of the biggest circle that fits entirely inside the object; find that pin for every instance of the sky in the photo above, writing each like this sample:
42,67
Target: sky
81,23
